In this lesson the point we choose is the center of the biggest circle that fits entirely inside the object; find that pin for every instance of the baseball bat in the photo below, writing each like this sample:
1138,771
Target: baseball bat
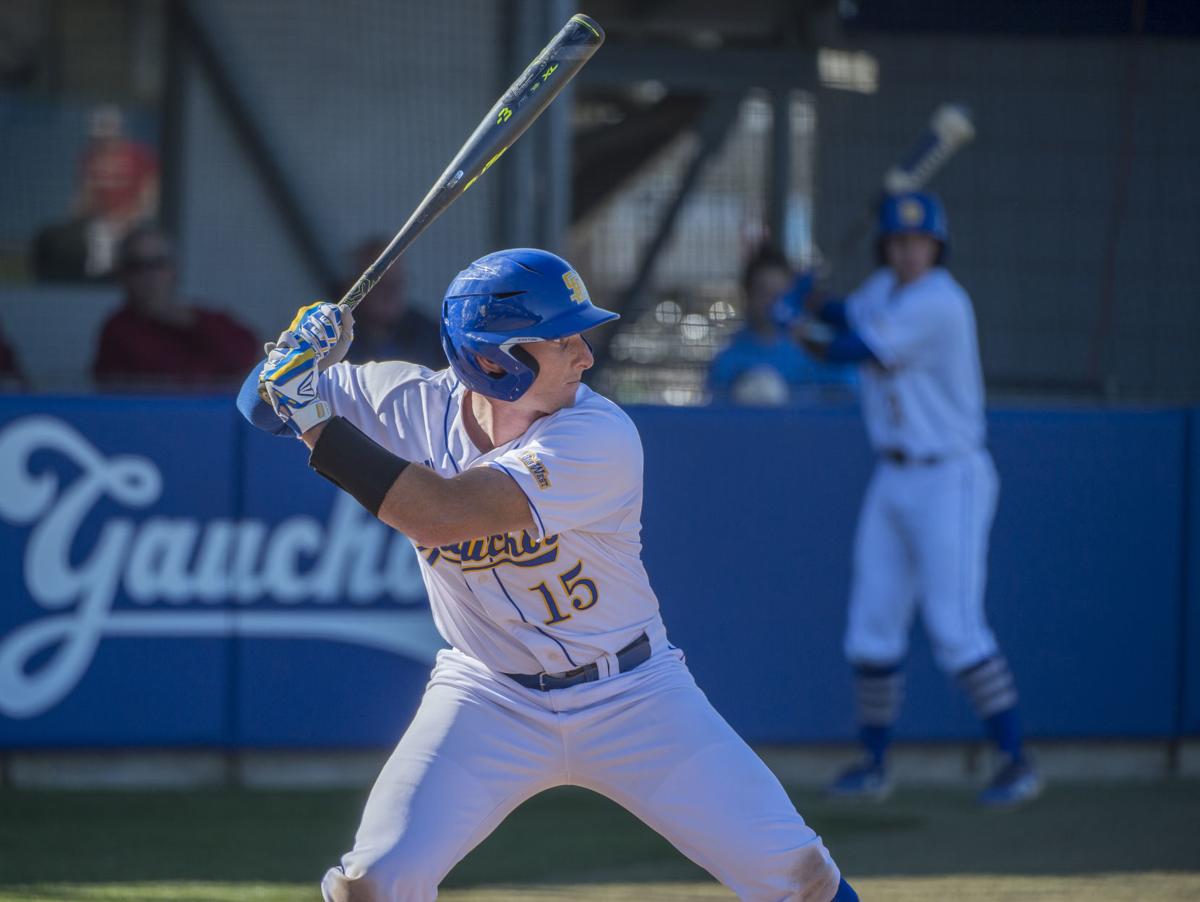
949,130
507,120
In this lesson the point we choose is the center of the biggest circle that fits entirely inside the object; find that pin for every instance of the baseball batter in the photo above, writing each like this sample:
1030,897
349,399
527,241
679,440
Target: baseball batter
522,491
922,534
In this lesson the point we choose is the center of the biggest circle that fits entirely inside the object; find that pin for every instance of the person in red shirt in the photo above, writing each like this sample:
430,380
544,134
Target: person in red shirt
118,176
118,187
118,183
156,339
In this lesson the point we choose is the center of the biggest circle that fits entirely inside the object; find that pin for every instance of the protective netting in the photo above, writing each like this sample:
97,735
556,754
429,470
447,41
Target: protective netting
355,109
1073,213
692,301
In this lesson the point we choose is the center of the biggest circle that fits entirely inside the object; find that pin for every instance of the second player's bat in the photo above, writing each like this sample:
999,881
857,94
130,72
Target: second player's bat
514,112
949,130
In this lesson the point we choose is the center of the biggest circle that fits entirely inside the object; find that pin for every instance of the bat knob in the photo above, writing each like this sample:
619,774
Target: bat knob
952,122
898,181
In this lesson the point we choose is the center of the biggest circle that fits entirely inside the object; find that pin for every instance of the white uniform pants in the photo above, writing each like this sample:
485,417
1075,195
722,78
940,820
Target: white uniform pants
480,745
922,539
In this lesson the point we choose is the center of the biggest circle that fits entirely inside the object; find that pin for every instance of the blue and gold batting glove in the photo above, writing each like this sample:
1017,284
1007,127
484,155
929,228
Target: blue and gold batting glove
288,382
326,328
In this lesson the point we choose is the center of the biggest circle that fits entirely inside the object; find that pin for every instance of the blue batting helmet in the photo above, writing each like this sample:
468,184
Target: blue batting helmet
504,300
913,211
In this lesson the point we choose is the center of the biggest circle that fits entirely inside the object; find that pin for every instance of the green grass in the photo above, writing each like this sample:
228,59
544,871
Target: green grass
1102,843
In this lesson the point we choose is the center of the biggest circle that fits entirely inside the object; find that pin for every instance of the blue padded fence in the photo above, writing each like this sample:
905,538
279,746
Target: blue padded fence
173,578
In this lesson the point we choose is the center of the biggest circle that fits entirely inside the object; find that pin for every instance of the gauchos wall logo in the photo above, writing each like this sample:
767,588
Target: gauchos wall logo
341,580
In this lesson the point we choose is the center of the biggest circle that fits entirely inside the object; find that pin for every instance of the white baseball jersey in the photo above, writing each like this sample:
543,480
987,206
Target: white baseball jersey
927,398
922,533
572,592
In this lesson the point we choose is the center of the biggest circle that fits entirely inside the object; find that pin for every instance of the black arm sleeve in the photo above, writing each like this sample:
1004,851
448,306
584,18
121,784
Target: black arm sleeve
355,463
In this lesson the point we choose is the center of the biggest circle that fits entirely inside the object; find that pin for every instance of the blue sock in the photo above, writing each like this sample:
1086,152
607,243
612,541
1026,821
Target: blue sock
845,893
1004,729
993,693
879,693
875,740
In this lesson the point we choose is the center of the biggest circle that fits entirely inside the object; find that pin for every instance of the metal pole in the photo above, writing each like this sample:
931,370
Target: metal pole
246,126
715,125
780,171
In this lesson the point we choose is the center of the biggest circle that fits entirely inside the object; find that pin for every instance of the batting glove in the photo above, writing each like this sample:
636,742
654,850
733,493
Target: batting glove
790,307
288,382
327,329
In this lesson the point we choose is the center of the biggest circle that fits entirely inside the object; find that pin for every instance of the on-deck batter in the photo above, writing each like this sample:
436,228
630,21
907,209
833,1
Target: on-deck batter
524,501
922,535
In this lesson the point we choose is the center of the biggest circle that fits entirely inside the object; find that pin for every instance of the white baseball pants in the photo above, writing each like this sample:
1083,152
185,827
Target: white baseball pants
922,539
480,745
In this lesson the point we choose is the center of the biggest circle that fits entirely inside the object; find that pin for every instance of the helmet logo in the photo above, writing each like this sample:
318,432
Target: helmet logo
575,286
911,213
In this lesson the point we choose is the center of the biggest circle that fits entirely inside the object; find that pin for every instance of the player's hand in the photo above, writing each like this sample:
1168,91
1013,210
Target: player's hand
814,336
792,305
288,382
326,328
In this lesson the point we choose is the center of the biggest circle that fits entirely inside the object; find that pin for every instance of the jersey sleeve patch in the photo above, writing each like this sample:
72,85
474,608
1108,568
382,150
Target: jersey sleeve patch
537,469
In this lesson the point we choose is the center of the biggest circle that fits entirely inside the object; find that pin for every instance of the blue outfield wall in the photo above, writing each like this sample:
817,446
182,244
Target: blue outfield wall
173,578
747,543
1189,603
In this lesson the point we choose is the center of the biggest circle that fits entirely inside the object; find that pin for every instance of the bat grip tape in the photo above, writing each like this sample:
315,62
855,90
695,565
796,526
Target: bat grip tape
355,463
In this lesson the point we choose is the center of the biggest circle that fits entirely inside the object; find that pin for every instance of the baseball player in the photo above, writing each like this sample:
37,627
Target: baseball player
522,491
922,533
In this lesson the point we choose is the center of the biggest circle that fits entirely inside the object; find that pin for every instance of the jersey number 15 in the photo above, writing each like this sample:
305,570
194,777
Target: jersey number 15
580,591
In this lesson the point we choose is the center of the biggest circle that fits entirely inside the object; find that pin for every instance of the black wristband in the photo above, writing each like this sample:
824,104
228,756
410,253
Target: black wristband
355,463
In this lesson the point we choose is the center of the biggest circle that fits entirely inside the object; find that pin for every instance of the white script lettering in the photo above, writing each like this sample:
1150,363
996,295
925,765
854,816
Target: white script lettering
208,574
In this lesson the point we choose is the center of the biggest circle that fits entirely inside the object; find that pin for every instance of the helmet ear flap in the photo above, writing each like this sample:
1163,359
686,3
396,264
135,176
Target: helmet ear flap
525,357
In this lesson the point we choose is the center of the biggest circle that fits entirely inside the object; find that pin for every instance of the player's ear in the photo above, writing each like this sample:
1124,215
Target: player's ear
488,366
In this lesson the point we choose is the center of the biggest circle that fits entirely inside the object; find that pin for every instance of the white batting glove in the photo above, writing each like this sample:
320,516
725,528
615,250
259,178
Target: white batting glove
327,329
288,382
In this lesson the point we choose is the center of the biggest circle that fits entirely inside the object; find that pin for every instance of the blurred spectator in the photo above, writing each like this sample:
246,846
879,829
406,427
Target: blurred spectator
385,326
762,364
11,376
60,252
156,339
118,188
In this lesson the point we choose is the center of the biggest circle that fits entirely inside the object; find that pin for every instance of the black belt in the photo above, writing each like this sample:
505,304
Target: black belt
904,459
629,657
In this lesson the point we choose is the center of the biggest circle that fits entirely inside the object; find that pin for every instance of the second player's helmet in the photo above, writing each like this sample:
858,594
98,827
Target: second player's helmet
916,212
504,300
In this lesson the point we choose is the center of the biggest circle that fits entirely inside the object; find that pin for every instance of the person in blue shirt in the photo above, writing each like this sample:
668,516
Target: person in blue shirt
763,364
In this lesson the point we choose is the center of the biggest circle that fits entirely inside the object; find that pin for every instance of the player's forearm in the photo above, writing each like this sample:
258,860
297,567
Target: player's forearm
426,507
848,347
436,511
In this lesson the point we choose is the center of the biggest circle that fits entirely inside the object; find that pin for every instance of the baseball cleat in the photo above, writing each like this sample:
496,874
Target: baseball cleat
866,780
1014,784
